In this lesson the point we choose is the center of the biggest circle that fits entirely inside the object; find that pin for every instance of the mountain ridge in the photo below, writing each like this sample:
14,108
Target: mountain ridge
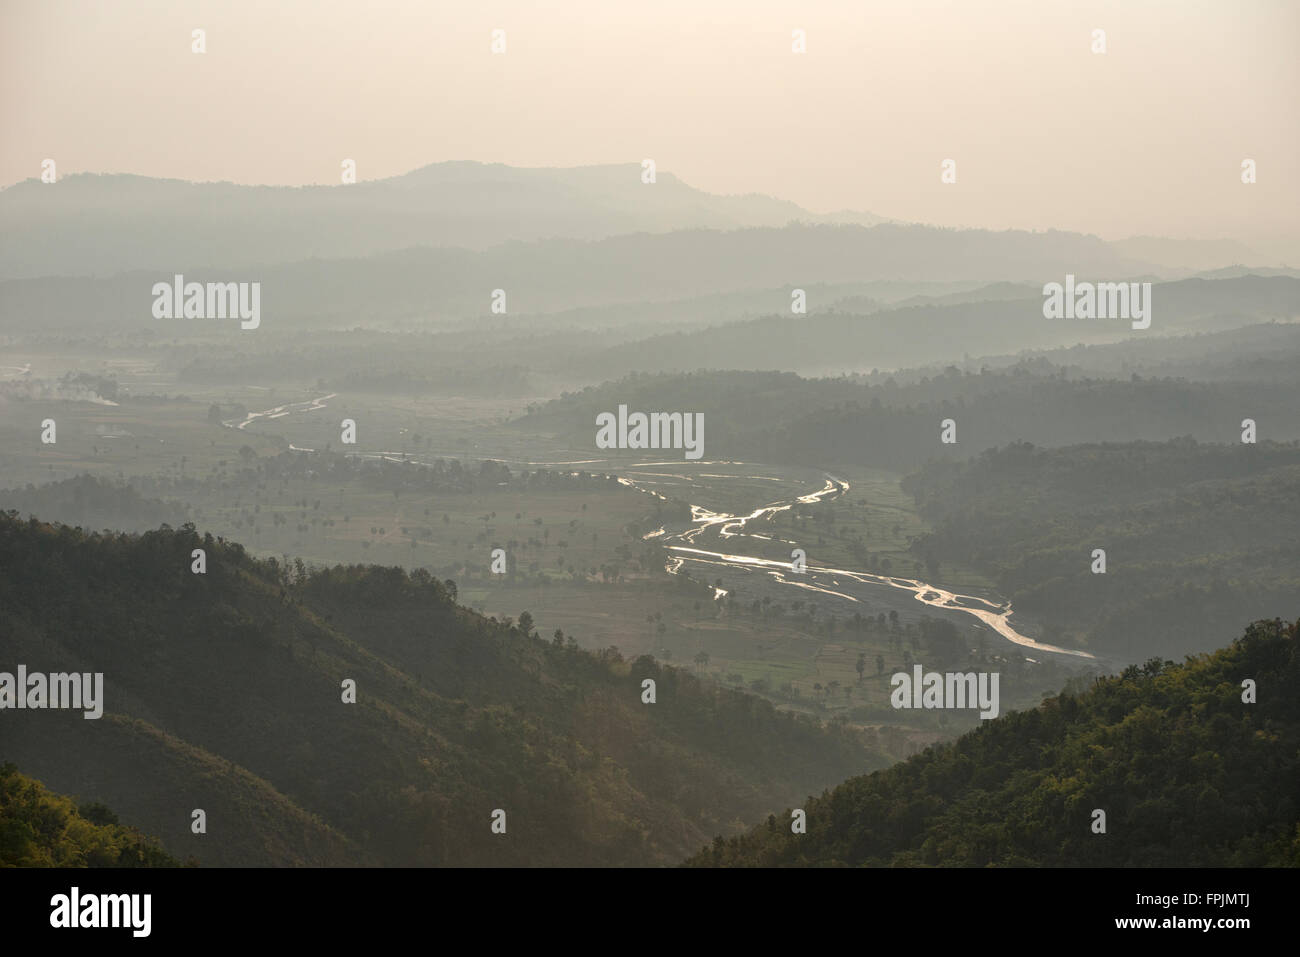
99,224
1185,771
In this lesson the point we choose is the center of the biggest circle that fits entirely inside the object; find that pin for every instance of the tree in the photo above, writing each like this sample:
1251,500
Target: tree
526,624
861,665
702,660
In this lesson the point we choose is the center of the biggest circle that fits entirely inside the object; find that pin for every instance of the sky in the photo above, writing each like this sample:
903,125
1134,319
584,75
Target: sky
1145,139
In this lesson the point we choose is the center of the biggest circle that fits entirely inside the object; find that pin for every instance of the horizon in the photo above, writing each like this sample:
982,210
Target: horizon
1105,144
1278,262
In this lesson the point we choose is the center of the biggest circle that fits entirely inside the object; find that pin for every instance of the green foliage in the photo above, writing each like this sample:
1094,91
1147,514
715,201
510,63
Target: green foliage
41,829
223,692
1187,773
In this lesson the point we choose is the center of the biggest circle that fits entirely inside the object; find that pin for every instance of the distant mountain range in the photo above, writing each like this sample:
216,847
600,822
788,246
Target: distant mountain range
89,224
1189,253
1002,317
558,274
98,225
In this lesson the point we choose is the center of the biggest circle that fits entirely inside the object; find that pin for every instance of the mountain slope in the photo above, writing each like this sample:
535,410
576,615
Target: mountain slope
223,692
1186,772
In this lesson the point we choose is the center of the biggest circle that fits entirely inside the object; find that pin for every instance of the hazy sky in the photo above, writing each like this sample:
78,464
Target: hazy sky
1145,139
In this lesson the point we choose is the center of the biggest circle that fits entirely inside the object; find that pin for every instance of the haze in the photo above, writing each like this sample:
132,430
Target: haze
1146,139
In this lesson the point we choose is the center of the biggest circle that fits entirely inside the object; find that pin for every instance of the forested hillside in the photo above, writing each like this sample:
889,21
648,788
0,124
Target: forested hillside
784,418
1186,772
41,829
1197,537
223,693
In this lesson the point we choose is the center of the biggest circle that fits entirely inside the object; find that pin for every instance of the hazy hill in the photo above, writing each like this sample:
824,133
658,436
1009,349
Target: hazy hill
781,417
223,692
1228,272
1187,774
93,502
1263,352
1196,537
97,225
555,274
1190,254
976,323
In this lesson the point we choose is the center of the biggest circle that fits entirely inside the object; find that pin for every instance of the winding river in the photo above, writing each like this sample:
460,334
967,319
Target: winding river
703,544
716,539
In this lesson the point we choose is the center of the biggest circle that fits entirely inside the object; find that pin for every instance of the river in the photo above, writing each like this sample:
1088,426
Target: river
717,540
719,543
